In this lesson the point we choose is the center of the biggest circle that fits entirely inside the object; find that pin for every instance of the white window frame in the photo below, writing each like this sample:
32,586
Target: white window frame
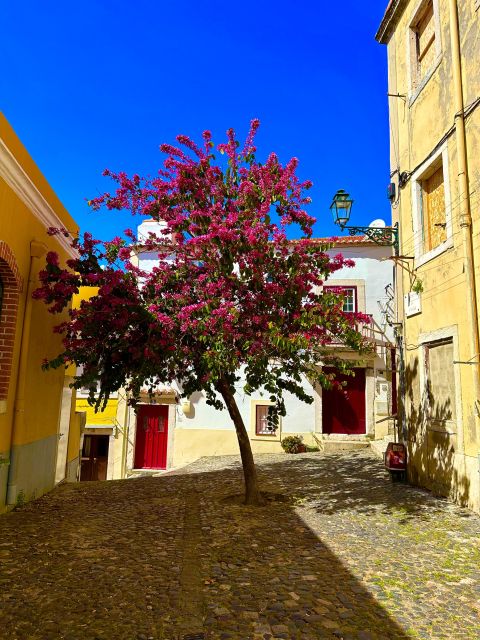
411,40
422,256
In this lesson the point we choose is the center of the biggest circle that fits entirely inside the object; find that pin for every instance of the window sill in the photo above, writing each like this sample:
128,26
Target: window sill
414,94
434,253
448,428
266,438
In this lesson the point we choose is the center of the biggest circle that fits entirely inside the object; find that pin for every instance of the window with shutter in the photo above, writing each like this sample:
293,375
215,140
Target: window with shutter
440,380
425,39
262,428
433,210
432,207
424,47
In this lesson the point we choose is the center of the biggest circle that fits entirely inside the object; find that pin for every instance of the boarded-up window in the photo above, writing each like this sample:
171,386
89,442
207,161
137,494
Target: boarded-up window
433,209
425,37
412,398
262,428
440,381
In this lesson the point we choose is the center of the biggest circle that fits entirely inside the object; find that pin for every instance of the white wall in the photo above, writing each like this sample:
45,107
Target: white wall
300,416
372,267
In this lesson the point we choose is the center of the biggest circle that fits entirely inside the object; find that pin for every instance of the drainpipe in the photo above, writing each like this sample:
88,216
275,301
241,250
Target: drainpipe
126,424
37,250
465,211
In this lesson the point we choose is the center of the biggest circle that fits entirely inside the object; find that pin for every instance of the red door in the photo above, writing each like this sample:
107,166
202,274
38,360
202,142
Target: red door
343,410
151,437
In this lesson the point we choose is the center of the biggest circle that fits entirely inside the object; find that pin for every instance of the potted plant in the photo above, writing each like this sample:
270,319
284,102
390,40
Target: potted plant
293,444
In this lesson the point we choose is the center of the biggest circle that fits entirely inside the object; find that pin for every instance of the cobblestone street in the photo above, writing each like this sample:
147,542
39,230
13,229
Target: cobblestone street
345,554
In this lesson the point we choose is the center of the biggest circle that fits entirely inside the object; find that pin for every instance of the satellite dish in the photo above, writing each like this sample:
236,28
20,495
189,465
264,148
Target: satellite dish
378,224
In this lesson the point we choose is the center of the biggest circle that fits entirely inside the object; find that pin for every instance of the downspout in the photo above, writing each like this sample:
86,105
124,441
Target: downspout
126,424
465,211
37,250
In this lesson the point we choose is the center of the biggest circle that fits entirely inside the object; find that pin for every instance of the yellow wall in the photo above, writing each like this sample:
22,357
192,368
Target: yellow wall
443,461
34,396
18,227
191,444
106,417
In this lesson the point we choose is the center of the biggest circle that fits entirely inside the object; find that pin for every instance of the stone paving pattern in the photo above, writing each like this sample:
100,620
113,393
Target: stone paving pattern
343,554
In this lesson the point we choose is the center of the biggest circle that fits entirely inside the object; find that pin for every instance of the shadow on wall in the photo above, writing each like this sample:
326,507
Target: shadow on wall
432,440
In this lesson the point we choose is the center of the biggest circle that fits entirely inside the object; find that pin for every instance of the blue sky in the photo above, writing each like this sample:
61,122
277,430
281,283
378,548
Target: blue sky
101,84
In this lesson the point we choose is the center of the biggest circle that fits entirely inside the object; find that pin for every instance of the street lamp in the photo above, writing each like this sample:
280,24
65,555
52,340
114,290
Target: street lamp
341,207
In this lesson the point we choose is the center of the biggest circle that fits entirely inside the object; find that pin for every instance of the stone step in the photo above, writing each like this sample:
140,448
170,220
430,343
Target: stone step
143,473
380,446
331,446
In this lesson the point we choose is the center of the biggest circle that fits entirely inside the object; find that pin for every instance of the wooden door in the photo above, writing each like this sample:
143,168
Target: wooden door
151,436
343,410
94,458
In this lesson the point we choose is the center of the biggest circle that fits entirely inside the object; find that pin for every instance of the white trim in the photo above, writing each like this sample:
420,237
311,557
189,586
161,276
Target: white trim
414,94
421,257
424,339
18,180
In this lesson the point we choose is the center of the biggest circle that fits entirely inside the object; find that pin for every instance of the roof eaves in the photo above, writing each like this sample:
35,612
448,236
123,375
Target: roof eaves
343,241
390,20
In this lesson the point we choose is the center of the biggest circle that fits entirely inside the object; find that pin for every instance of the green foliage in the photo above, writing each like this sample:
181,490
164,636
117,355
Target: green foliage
417,286
292,444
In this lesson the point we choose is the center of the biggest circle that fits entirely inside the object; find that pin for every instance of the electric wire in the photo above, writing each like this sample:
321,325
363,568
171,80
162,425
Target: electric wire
453,206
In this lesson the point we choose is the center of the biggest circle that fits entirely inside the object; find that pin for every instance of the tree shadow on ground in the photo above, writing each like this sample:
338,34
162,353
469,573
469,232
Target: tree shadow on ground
357,482
164,557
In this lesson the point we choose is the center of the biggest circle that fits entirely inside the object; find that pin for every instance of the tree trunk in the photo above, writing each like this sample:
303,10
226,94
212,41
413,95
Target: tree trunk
252,493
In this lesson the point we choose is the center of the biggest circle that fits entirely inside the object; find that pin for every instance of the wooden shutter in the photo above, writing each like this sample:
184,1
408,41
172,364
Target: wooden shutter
441,381
262,428
434,215
425,41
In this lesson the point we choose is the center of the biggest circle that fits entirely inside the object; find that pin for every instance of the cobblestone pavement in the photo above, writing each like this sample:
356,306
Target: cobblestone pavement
346,554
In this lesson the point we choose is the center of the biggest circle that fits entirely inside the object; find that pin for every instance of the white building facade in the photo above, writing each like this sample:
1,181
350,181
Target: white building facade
169,430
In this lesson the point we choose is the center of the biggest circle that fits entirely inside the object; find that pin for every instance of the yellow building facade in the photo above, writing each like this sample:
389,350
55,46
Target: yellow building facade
103,433
39,428
434,104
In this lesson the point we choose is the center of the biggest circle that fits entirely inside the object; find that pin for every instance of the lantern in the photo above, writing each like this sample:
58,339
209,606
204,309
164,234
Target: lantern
341,207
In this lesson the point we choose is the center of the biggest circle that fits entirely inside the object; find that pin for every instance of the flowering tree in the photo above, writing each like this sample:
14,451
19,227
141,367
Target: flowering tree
230,293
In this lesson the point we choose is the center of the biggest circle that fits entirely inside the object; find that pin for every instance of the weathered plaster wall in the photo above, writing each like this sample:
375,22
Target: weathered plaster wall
446,462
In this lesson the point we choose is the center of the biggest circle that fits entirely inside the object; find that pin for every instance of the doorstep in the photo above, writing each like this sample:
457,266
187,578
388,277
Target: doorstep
332,445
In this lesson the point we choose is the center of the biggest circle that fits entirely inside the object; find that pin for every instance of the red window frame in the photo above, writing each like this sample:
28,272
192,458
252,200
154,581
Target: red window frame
260,417
342,288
